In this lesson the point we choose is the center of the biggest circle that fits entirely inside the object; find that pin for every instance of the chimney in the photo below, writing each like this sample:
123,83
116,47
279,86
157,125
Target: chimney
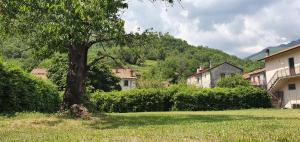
131,73
199,69
210,66
267,52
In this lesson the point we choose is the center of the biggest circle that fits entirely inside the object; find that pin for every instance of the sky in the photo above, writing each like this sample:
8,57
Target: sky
237,27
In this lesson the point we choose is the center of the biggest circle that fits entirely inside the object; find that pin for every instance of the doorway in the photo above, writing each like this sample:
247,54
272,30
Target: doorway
292,66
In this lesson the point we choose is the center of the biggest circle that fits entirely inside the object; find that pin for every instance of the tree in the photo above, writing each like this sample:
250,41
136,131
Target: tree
233,81
99,76
72,26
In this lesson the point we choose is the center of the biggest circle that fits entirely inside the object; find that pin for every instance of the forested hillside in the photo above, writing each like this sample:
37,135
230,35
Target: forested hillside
157,58
165,58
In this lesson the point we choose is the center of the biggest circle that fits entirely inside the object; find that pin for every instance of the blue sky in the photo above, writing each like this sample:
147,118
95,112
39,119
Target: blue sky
237,27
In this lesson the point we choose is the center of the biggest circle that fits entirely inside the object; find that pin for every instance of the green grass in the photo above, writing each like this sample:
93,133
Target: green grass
239,125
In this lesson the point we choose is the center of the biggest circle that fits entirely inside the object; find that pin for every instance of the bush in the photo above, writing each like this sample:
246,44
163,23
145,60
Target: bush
182,99
233,81
221,99
137,100
19,91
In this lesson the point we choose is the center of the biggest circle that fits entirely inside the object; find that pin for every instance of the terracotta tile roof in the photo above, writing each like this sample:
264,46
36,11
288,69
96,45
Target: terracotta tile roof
257,71
246,75
199,73
124,73
40,72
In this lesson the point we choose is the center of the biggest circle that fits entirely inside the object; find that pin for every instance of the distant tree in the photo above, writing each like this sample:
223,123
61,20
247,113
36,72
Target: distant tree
233,81
71,26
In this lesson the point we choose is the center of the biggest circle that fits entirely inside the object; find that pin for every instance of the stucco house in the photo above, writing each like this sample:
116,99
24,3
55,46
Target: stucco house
207,78
128,78
40,73
257,78
283,77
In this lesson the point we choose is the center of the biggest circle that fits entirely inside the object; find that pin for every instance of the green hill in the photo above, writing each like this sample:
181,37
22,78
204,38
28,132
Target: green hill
165,58
156,57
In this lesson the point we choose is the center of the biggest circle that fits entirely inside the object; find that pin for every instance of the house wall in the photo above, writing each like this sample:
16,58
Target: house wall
192,81
290,97
131,84
258,79
195,81
225,68
205,80
280,61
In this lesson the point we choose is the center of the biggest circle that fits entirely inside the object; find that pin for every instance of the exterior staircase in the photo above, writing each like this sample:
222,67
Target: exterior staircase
281,74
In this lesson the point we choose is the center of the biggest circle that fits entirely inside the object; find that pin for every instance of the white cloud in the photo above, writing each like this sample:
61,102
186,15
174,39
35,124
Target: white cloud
236,27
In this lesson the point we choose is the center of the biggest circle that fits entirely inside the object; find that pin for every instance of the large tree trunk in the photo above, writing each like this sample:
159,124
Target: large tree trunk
75,92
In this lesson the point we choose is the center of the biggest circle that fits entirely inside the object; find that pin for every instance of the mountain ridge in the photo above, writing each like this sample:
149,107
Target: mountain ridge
273,49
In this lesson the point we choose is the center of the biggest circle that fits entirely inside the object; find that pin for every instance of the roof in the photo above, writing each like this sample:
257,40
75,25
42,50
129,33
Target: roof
199,73
282,51
257,71
205,70
124,73
228,64
39,71
247,75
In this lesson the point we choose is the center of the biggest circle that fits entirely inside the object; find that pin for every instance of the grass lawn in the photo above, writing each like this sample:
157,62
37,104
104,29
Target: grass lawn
239,125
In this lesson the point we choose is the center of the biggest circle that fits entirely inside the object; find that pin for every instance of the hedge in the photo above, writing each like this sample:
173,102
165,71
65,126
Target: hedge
181,99
19,91
221,99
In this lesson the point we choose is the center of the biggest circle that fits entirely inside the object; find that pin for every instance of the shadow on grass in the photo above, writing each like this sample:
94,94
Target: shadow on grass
103,121
8,114
47,122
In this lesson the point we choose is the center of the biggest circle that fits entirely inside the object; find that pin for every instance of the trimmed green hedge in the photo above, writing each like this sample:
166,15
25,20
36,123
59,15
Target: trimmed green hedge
134,100
221,99
19,91
181,99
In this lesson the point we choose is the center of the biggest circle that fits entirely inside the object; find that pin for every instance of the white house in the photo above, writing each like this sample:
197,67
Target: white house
257,78
128,78
207,78
283,77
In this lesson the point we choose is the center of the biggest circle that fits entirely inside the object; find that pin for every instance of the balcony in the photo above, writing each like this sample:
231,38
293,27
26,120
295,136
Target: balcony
283,73
261,84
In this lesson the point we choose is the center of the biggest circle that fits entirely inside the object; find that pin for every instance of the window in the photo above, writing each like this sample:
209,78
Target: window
292,87
222,75
126,82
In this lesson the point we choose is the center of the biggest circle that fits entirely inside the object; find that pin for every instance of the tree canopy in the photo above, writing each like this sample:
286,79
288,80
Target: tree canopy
71,26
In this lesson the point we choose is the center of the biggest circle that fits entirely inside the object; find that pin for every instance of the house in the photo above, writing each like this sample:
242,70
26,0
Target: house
283,77
207,78
40,73
257,78
128,78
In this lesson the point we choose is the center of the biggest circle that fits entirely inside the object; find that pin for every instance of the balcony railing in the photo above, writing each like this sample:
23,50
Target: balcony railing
262,84
286,72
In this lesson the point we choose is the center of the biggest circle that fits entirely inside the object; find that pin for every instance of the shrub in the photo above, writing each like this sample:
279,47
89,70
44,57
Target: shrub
182,99
221,99
233,81
19,91
137,100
